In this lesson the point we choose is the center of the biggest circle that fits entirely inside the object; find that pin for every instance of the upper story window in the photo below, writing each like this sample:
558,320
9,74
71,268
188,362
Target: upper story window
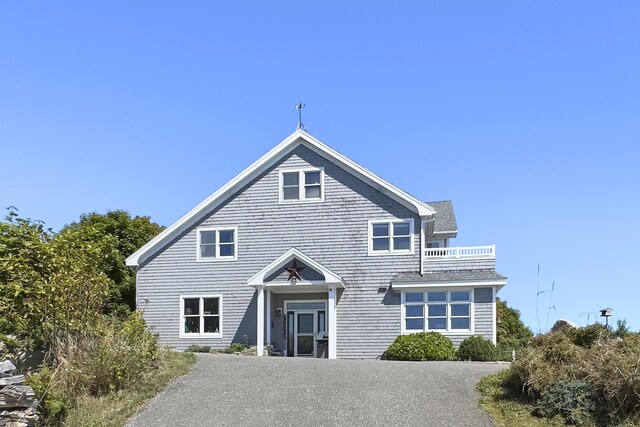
444,311
391,237
217,244
301,185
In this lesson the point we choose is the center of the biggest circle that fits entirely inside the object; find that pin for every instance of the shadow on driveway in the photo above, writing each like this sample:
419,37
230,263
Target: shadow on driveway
229,390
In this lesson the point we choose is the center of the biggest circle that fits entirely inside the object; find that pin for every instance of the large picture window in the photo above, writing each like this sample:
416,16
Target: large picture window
201,316
437,310
301,185
391,237
217,244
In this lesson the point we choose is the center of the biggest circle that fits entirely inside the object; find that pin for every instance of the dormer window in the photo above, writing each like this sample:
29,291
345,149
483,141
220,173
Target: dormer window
301,185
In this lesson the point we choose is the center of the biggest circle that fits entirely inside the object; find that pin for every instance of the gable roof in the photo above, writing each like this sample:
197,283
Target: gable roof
329,277
297,138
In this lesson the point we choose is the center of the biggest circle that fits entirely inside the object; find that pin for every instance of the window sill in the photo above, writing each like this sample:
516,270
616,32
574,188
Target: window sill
198,259
296,202
383,253
186,335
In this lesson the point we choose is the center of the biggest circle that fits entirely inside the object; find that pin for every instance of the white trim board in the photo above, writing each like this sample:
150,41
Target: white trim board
297,138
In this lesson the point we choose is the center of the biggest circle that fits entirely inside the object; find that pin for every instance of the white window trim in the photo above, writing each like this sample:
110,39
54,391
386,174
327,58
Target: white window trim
391,251
301,185
183,334
447,331
217,257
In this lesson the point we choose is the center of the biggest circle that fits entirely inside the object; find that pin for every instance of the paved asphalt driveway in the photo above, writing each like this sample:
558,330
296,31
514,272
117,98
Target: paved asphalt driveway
229,390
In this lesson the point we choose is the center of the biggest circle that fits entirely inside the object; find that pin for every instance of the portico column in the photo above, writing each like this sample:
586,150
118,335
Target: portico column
268,317
331,314
260,325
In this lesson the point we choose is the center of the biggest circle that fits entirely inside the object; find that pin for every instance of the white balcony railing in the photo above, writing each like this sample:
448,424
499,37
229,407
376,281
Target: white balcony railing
467,252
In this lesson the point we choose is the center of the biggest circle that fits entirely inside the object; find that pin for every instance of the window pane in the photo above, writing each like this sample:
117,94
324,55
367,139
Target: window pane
440,323
290,193
381,244
460,296
436,296
192,324
211,324
380,230
401,229
312,192
437,310
290,178
312,177
226,236
413,296
305,345
433,244
207,251
211,306
460,310
460,323
305,323
401,243
322,322
414,311
414,324
207,237
191,306
226,250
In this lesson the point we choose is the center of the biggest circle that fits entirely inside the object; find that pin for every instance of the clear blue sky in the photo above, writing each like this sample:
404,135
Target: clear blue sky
526,114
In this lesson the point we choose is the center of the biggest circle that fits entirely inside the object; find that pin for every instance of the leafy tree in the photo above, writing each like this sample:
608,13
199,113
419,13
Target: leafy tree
128,235
511,332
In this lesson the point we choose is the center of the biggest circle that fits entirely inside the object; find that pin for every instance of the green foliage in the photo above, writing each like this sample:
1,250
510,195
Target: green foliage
421,346
127,234
576,401
195,348
477,348
587,336
236,347
511,333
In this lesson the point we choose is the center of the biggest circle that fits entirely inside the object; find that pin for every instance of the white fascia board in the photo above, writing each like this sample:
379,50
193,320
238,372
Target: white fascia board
421,208
259,166
329,276
443,284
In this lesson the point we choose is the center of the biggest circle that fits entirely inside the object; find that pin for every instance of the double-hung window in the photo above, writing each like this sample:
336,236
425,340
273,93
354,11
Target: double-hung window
448,311
386,237
201,316
301,185
217,244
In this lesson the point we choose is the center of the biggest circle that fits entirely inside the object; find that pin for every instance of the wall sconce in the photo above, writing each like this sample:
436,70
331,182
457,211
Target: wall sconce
279,311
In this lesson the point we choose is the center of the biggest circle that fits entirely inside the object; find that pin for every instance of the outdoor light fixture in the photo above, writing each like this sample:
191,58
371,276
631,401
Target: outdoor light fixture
279,311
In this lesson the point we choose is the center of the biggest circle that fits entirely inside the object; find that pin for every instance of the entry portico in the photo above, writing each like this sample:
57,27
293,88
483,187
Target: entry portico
296,273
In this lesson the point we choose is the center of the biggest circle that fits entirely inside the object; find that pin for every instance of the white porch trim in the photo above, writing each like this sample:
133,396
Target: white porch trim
260,325
332,318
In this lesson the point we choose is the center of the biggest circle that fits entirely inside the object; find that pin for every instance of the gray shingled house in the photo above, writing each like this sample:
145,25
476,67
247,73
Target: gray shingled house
311,253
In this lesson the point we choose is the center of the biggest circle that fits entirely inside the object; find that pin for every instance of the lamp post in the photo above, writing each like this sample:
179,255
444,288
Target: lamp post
606,313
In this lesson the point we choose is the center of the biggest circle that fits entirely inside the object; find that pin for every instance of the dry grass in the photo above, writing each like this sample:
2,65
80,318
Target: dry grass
114,409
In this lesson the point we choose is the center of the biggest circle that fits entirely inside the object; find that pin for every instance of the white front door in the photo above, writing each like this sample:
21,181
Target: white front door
305,325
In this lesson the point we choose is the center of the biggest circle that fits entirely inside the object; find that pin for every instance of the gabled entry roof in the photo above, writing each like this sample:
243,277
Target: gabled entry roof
299,137
330,278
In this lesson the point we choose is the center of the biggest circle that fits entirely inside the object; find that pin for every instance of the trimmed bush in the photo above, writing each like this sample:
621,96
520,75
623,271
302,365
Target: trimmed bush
477,348
421,346
575,401
589,335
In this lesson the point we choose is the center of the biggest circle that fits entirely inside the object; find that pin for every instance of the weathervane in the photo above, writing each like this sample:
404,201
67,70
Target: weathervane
299,107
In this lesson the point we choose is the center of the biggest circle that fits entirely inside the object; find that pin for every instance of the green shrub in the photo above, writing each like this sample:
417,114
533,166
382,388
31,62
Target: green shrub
477,348
587,336
195,348
576,401
421,346
236,347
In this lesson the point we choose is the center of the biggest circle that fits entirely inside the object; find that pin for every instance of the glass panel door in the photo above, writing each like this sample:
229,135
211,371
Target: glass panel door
290,333
305,333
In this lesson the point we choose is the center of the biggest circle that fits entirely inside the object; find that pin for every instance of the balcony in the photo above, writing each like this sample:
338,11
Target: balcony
459,258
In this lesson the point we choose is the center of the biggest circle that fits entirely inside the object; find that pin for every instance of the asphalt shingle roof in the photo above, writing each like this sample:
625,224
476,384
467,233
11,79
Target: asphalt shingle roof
448,276
445,218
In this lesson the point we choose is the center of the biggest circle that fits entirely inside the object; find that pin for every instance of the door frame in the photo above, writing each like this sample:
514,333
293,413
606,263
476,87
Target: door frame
313,311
